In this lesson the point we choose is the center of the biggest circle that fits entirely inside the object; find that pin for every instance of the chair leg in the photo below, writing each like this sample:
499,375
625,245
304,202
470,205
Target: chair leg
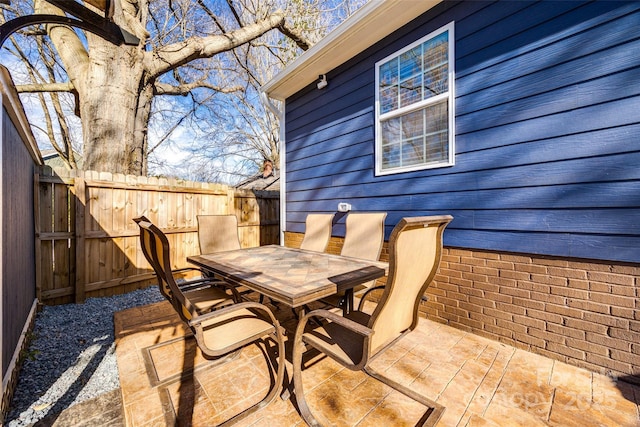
434,411
275,390
298,350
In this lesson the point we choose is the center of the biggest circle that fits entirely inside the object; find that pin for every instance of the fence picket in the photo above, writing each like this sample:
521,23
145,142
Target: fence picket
87,243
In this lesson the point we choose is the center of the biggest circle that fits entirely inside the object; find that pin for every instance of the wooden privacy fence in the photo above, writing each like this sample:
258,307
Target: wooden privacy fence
88,245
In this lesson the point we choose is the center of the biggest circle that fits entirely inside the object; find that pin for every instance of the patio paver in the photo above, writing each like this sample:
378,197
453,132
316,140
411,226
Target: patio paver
480,382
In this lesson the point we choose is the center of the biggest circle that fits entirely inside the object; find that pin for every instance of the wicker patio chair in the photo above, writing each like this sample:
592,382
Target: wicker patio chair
317,232
225,331
415,250
363,238
205,293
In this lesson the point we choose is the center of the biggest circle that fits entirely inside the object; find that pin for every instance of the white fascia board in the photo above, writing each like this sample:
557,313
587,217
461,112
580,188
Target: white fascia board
370,24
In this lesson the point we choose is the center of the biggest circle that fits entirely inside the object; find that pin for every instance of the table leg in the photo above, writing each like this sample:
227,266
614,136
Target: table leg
347,306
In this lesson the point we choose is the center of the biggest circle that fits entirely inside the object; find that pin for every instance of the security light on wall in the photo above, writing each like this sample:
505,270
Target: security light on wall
322,83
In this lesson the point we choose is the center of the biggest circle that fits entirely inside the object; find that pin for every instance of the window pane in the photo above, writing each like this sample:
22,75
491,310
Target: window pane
436,81
411,63
388,99
436,69
388,73
410,91
391,131
436,117
413,125
388,88
412,152
436,132
437,147
391,156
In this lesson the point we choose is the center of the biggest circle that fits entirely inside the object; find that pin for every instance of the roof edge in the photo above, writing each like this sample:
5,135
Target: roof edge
370,24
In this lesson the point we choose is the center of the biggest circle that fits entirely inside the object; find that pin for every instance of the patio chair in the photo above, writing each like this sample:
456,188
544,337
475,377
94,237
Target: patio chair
205,293
363,238
225,331
217,233
317,232
355,340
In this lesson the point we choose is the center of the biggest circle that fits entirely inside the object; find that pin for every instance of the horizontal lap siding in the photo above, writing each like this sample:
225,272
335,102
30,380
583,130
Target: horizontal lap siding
547,126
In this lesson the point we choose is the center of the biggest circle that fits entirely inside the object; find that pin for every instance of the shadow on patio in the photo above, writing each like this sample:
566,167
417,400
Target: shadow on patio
164,378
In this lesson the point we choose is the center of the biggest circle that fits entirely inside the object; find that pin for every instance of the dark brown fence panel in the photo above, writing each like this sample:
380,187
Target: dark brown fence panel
19,156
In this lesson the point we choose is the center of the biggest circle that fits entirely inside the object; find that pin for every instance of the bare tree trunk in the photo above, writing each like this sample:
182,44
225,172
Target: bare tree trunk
110,97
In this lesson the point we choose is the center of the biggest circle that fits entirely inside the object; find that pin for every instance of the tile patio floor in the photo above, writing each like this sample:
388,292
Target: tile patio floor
479,381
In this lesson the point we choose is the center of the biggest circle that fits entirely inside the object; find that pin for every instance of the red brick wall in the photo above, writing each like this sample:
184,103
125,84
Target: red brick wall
585,313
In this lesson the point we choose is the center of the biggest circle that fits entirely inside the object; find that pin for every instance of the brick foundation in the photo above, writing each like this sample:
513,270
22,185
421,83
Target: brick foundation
585,313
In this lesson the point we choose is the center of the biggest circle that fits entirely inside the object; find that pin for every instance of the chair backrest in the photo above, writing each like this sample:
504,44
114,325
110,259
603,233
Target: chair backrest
146,238
364,235
157,251
217,233
415,250
317,232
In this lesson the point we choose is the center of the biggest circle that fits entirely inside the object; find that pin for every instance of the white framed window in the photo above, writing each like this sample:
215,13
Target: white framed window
415,105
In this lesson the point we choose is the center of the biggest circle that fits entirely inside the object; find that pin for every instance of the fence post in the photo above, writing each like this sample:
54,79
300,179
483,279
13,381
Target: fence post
36,218
80,190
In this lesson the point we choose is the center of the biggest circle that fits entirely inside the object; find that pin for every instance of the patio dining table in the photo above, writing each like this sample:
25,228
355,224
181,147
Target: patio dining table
291,276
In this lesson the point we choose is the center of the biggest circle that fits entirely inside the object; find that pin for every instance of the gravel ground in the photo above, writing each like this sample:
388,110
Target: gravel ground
71,357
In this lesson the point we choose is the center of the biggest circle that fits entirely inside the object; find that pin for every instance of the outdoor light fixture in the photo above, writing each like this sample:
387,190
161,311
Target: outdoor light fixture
322,83
344,207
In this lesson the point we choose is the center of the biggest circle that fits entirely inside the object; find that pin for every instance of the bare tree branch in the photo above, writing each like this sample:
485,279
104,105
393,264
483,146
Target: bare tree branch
235,13
172,56
212,15
184,89
66,150
70,48
294,35
46,87
170,131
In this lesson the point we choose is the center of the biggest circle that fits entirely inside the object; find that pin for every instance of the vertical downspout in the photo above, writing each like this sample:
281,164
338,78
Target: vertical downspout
283,164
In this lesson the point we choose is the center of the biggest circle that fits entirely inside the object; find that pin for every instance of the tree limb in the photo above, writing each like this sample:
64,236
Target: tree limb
170,131
69,46
177,54
184,89
234,12
294,35
212,15
45,87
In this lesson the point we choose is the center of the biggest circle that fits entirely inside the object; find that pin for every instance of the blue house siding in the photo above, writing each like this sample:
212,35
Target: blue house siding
547,132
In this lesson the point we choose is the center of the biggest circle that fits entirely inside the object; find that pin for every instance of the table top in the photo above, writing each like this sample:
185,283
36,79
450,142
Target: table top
292,276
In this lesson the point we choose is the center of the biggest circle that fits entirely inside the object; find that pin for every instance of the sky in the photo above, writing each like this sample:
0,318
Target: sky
174,157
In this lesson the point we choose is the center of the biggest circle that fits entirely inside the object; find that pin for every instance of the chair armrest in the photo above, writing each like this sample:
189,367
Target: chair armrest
196,321
352,325
197,283
190,283
181,270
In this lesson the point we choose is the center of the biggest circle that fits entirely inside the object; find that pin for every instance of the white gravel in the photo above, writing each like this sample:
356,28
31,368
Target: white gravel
71,357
